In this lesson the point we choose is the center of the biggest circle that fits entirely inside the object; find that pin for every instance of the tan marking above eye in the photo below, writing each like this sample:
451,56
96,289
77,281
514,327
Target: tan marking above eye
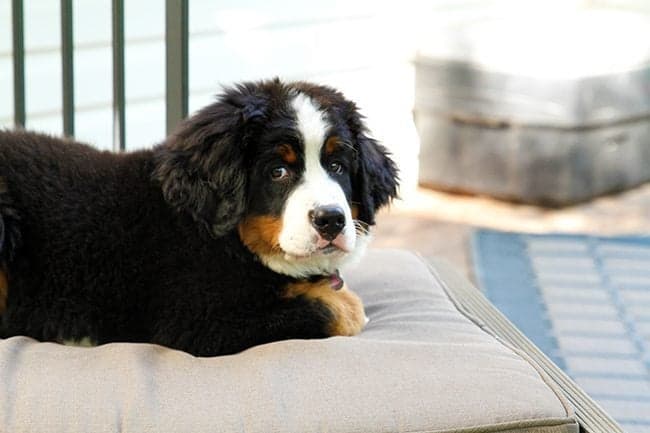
287,153
332,144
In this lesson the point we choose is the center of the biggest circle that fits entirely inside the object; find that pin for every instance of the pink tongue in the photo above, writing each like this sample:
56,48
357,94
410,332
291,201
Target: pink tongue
336,282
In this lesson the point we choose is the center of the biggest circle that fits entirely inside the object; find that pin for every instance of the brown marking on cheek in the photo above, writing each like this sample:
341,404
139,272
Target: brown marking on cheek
287,153
4,290
348,316
261,234
331,145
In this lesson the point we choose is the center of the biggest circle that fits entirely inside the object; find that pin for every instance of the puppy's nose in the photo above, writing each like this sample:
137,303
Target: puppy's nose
328,221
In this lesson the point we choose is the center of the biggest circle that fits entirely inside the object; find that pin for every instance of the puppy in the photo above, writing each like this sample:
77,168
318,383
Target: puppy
229,234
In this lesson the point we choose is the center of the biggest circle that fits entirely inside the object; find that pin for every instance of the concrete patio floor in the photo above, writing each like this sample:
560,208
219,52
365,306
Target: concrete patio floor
440,224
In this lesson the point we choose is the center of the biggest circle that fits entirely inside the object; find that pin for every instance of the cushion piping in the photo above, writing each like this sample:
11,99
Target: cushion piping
507,426
547,380
470,302
568,410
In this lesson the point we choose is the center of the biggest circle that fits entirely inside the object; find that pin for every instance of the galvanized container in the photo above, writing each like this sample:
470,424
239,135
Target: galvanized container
535,111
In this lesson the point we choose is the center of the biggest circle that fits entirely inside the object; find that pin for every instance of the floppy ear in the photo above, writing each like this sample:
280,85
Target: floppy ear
376,179
201,165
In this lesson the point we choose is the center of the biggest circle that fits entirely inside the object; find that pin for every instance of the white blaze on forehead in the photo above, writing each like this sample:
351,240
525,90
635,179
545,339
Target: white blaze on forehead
315,188
311,124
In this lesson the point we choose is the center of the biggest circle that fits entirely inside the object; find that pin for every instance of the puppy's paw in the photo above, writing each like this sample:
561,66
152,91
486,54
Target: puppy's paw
345,307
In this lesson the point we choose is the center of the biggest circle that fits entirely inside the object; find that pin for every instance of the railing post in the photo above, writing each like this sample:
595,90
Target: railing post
176,37
19,62
119,103
67,66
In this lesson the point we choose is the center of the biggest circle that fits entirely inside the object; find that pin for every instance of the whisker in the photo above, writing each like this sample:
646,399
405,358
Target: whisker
361,227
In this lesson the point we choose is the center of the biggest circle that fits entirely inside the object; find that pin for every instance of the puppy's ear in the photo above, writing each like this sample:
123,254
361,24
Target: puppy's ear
201,165
376,178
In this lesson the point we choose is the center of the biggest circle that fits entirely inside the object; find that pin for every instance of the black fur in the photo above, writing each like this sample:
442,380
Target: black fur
202,170
376,179
143,246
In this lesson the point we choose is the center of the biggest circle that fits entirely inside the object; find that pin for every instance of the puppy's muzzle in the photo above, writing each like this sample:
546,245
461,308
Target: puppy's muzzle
328,221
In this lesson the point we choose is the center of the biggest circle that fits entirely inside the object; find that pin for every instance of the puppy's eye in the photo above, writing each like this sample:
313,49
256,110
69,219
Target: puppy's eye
280,173
335,167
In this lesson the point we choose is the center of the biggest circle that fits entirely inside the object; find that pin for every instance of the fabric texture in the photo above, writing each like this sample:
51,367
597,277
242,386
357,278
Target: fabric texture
419,366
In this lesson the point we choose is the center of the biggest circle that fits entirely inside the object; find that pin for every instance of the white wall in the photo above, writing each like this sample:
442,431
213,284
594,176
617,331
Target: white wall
357,45
363,47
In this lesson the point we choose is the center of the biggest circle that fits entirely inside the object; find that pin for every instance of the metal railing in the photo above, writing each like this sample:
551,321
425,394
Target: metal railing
18,47
176,51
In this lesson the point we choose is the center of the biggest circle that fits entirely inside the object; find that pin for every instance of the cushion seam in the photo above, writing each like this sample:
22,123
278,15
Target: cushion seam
547,380
506,426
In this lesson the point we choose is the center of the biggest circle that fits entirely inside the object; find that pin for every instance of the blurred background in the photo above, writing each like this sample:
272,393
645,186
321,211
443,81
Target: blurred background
364,48
521,128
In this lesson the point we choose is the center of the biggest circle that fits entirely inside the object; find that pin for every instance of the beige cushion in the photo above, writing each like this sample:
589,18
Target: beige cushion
420,366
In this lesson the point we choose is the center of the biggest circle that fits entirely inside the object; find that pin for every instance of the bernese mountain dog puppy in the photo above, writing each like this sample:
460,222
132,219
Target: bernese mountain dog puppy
229,234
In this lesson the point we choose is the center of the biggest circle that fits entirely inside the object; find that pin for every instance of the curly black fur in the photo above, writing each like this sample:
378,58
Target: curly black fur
142,246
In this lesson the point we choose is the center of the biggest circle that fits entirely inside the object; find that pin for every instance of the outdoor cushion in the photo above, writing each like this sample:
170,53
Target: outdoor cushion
419,366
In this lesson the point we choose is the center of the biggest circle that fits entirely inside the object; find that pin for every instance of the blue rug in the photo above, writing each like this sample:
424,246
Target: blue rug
583,300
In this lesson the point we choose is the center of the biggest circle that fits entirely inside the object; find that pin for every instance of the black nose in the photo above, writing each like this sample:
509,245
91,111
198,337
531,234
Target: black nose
328,221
